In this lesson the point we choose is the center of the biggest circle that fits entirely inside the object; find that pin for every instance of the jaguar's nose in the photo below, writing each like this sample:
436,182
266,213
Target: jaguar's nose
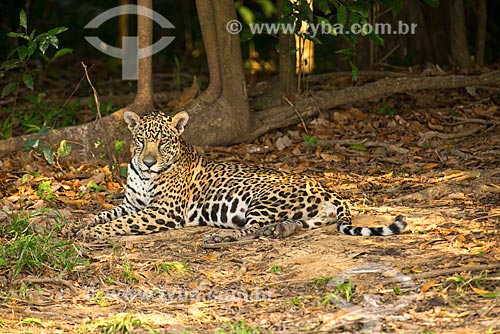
149,162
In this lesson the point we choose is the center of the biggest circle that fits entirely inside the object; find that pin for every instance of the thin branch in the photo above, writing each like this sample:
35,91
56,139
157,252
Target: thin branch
227,244
431,134
454,270
49,280
99,116
348,142
94,91
296,112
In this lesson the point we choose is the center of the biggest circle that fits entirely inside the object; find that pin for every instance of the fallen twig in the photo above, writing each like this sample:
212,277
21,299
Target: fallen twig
347,142
463,120
49,280
454,270
227,244
296,112
485,217
431,134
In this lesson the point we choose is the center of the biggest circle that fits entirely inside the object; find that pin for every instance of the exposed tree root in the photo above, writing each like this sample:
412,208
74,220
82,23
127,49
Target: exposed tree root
89,135
447,136
284,116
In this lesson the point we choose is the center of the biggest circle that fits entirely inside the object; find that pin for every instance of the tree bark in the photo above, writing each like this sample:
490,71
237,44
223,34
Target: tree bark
221,114
88,142
481,15
144,102
83,137
208,27
288,79
284,116
458,35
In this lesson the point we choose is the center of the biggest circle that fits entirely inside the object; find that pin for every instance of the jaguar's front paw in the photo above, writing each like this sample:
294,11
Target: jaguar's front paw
70,230
82,230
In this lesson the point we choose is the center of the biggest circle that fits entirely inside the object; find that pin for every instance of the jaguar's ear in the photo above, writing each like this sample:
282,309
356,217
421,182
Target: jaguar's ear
132,119
179,121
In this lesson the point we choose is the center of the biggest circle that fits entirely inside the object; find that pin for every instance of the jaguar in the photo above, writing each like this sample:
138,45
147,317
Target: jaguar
171,185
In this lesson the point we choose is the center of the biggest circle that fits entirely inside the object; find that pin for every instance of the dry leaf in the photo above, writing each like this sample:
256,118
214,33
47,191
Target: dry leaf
331,157
352,115
283,142
427,286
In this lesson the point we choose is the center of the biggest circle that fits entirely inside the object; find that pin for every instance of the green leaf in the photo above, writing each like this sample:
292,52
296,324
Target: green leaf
358,147
267,7
10,64
45,191
22,52
306,13
124,172
491,294
376,38
119,144
56,31
45,40
23,21
246,14
31,48
32,321
31,144
246,34
312,38
353,18
43,130
48,154
287,8
328,27
360,9
310,140
9,88
342,15
354,71
62,52
323,6
345,52
27,80
16,34
64,149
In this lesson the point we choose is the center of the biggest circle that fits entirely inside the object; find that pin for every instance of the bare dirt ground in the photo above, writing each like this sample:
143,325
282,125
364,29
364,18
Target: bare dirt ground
431,156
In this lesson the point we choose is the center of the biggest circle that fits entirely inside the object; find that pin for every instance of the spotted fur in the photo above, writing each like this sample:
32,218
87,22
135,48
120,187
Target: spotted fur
170,185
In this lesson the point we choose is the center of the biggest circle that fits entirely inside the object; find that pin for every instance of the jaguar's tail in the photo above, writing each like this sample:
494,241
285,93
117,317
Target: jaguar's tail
399,225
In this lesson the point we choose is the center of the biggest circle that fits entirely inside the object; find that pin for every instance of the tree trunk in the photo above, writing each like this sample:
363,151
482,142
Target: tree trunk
143,102
288,79
481,15
458,35
83,137
221,114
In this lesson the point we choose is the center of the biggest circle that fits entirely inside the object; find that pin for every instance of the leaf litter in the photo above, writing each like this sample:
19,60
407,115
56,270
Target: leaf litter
412,157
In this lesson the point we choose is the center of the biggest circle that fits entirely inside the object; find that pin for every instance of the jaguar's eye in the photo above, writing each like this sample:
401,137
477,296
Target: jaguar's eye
139,142
163,143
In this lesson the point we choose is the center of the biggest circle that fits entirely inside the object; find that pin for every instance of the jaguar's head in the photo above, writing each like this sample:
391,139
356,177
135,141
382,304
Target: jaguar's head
156,139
